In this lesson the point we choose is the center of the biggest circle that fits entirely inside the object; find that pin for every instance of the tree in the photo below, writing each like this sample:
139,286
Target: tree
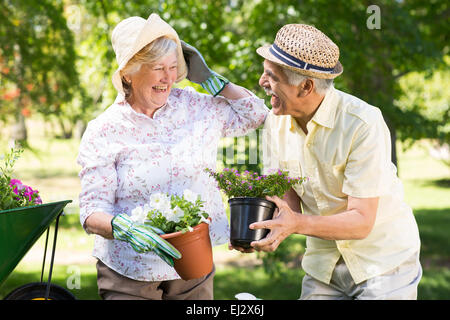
413,36
37,60
37,54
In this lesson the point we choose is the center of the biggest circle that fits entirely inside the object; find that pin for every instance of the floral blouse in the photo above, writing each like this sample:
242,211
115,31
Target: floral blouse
126,156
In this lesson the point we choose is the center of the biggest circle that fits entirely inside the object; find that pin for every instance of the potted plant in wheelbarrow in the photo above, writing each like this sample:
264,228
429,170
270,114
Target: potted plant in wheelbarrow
13,193
23,219
246,192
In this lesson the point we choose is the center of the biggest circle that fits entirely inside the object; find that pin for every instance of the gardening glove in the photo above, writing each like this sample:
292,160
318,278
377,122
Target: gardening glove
143,238
199,72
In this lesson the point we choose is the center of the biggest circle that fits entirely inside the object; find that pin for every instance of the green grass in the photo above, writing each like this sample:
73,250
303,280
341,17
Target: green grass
427,190
62,275
230,281
53,170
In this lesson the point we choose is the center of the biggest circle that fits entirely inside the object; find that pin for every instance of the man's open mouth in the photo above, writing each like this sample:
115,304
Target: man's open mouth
274,101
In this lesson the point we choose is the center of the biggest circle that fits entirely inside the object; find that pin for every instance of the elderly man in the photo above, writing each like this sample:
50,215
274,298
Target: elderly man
362,238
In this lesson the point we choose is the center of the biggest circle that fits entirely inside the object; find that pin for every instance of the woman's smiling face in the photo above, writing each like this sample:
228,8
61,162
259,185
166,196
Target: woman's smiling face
151,85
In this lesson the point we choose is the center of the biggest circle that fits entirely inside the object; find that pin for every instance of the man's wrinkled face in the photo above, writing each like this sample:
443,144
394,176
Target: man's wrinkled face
275,83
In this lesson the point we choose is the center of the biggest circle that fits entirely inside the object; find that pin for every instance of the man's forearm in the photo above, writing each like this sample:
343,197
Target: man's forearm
293,200
348,225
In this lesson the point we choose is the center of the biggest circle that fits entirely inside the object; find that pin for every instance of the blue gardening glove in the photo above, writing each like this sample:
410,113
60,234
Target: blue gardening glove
199,72
143,238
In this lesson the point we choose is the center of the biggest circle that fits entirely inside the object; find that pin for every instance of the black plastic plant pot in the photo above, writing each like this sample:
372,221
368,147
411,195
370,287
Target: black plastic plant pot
245,211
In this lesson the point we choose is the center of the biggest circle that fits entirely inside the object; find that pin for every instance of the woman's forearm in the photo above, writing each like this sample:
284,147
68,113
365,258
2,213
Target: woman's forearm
100,223
234,92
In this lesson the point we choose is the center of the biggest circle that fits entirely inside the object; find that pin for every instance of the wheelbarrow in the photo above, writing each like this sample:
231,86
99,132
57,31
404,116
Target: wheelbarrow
20,228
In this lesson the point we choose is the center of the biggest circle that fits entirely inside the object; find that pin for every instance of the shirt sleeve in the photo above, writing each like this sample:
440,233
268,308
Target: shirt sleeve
98,175
244,115
369,169
234,117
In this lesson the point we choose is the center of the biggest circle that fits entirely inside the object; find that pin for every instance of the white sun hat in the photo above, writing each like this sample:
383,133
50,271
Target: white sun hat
134,33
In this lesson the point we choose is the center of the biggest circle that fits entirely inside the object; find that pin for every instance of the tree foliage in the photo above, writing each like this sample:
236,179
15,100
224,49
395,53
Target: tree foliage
51,65
37,58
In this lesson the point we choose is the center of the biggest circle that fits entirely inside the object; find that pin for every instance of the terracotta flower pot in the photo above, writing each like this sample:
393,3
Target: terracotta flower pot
195,248
245,211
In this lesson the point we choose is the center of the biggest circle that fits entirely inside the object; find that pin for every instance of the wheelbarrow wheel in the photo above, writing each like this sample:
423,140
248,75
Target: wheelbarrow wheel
37,290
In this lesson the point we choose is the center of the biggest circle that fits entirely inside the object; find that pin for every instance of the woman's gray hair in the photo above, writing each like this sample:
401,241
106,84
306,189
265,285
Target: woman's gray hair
150,54
294,78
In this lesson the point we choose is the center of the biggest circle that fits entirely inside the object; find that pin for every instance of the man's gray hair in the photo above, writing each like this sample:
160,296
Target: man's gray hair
294,78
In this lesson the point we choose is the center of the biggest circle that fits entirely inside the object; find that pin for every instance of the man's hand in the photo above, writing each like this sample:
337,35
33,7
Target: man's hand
282,225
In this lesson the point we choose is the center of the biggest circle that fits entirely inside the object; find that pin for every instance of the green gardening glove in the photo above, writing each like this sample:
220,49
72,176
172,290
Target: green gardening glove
199,72
143,238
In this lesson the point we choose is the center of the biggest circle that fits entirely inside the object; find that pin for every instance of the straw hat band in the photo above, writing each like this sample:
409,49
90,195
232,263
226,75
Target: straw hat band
295,62
305,50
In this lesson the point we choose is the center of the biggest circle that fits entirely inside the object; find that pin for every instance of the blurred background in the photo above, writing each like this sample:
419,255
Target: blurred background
56,63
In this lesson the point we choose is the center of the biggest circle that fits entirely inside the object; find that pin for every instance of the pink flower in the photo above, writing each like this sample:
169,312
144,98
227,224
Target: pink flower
38,200
15,182
24,191
16,185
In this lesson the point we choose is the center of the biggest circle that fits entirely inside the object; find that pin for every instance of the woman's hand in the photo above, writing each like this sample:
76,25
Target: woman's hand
199,72
143,238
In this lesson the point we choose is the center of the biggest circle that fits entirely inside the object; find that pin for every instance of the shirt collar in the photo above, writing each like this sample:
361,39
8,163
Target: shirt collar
120,100
325,114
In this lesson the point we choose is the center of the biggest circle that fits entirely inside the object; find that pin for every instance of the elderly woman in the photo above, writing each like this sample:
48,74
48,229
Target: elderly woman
155,138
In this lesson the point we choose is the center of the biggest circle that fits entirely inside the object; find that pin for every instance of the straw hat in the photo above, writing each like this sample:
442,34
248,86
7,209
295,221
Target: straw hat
304,49
134,33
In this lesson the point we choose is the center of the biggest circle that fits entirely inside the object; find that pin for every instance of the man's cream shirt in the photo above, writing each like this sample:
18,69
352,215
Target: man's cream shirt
347,152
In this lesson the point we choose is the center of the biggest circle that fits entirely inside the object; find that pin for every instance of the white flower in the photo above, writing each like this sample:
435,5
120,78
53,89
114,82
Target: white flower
174,214
190,196
147,207
139,214
160,202
167,213
178,214
203,219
